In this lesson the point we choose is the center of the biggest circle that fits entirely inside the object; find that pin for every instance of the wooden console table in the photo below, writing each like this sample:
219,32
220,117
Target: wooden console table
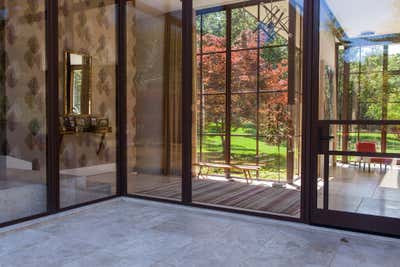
101,132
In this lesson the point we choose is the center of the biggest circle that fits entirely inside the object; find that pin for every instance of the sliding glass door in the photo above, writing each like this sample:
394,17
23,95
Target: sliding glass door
87,100
356,178
154,98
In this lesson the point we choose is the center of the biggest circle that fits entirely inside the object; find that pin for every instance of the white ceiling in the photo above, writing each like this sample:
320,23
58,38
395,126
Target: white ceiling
360,16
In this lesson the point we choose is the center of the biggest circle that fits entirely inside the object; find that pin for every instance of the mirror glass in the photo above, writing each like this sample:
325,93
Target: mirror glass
77,93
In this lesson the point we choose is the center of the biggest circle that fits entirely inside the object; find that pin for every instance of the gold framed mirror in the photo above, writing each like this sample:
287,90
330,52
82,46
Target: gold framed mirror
77,83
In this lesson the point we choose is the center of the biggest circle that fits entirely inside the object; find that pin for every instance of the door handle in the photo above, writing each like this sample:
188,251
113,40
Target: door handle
326,138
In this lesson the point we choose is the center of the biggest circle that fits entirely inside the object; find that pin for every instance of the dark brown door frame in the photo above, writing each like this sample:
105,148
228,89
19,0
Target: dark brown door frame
316,144
187,96
53,130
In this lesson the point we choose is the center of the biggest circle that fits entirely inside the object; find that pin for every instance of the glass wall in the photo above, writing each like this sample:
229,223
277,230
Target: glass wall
249,105
87,103
359,88
22,109
154,55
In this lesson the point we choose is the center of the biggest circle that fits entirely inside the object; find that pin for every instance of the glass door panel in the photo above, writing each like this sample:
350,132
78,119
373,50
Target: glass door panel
22,110
87,104
154,56
358,146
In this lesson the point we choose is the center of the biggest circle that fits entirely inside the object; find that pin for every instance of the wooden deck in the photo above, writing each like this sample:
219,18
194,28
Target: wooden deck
232,194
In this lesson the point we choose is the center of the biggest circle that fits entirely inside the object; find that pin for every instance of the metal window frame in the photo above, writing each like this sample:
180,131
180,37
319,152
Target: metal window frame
310,75
228,92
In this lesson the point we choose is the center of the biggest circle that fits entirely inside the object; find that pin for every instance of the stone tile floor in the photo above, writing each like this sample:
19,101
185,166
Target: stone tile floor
129,232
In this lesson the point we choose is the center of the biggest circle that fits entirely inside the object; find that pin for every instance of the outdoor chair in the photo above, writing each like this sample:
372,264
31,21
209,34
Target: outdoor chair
370,147
366,147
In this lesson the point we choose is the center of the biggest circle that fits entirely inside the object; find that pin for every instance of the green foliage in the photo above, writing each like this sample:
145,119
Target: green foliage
367,83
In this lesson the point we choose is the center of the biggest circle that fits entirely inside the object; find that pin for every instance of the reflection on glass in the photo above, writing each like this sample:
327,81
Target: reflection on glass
359,65
154,31
22,111
249,140
356,188
244,27
87,107
358,80
379,138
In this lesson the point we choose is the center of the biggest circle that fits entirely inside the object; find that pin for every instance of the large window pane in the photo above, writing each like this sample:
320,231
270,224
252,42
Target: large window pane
154,98
244,27
358,80
22,110
258,159
394,57
214,32
244,114
87,60
213,113
213,67
274,69
244,71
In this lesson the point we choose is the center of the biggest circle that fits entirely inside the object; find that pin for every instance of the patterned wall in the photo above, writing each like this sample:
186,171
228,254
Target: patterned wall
89,27
131,85
24,81
84,26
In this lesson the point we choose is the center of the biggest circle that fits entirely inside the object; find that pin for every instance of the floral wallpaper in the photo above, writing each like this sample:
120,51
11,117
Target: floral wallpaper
131,85
23,81
87,26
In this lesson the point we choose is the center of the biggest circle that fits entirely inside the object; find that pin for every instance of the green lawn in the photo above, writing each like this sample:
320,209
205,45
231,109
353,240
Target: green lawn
272,161
243,151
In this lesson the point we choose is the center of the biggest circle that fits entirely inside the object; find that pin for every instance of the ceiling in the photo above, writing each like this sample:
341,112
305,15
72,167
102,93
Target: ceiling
361,16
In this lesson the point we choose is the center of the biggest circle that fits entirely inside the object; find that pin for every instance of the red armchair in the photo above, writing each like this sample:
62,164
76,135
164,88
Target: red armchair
370,147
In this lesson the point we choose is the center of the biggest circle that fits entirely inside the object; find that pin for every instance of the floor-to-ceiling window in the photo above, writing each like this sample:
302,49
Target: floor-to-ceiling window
358,115
22,110
154,98
87,100
248,106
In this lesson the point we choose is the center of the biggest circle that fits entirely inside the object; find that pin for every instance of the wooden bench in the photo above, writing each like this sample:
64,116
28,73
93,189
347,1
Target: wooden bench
246,169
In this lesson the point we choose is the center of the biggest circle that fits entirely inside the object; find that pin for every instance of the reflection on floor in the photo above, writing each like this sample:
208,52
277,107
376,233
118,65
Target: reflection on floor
80,189
237,194
354,189
131,232
23,193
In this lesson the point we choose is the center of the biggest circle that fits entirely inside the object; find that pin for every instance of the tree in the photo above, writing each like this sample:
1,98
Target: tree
273,74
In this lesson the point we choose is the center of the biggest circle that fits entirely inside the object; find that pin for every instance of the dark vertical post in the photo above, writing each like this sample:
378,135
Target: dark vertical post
385,97
201,93
187,94
121,100
291,90
346,106
53,130
228,94
310,111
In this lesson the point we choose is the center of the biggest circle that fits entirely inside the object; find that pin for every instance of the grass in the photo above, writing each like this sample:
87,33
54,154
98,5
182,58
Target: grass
272,161
243,151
